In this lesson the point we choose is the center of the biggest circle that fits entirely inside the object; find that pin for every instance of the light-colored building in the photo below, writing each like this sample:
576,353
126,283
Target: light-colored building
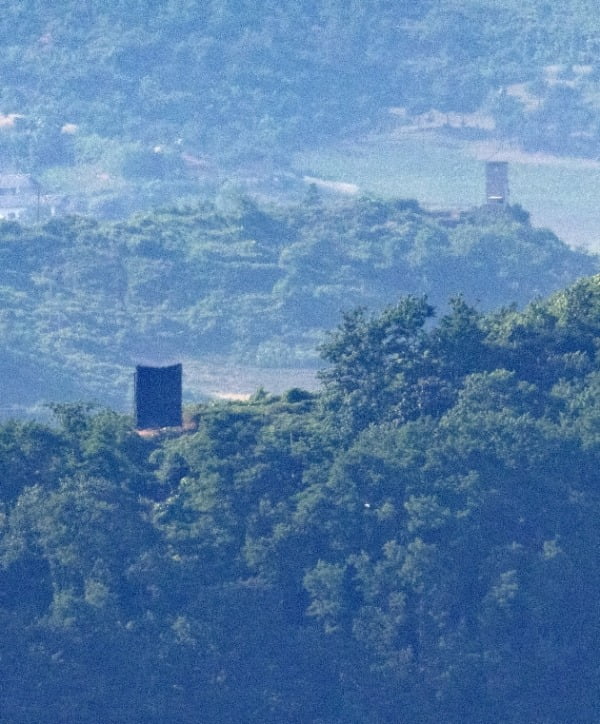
19,196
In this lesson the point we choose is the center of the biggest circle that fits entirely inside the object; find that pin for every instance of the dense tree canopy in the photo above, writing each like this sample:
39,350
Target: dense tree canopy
415,542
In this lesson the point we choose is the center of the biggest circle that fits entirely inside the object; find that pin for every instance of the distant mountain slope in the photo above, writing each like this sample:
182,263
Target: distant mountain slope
237,78
82,301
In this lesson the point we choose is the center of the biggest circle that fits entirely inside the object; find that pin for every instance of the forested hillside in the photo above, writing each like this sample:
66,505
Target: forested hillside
161,92
83,301
418,542
414,541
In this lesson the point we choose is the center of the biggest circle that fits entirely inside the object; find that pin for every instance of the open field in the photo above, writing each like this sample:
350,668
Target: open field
228,381
560,193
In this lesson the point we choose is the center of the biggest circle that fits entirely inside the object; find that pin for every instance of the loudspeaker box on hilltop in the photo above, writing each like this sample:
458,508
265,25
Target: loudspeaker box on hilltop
158,396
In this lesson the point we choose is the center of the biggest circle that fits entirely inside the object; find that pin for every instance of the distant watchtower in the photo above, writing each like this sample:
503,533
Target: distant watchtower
496,183
157,397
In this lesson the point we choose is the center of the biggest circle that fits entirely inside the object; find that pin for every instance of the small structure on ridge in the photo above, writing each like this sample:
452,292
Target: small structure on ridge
496,183
158,397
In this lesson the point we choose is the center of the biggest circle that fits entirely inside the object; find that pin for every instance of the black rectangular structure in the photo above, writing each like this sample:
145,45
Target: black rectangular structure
157,396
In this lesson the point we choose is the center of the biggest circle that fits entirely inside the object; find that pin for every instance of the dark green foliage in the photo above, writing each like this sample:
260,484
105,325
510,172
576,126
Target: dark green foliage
377,364
345,556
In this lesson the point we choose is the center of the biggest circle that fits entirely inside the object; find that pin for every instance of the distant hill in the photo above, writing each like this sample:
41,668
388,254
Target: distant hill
83,301
158,91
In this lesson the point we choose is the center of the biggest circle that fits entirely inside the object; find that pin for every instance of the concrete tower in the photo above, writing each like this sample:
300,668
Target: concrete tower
496,183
